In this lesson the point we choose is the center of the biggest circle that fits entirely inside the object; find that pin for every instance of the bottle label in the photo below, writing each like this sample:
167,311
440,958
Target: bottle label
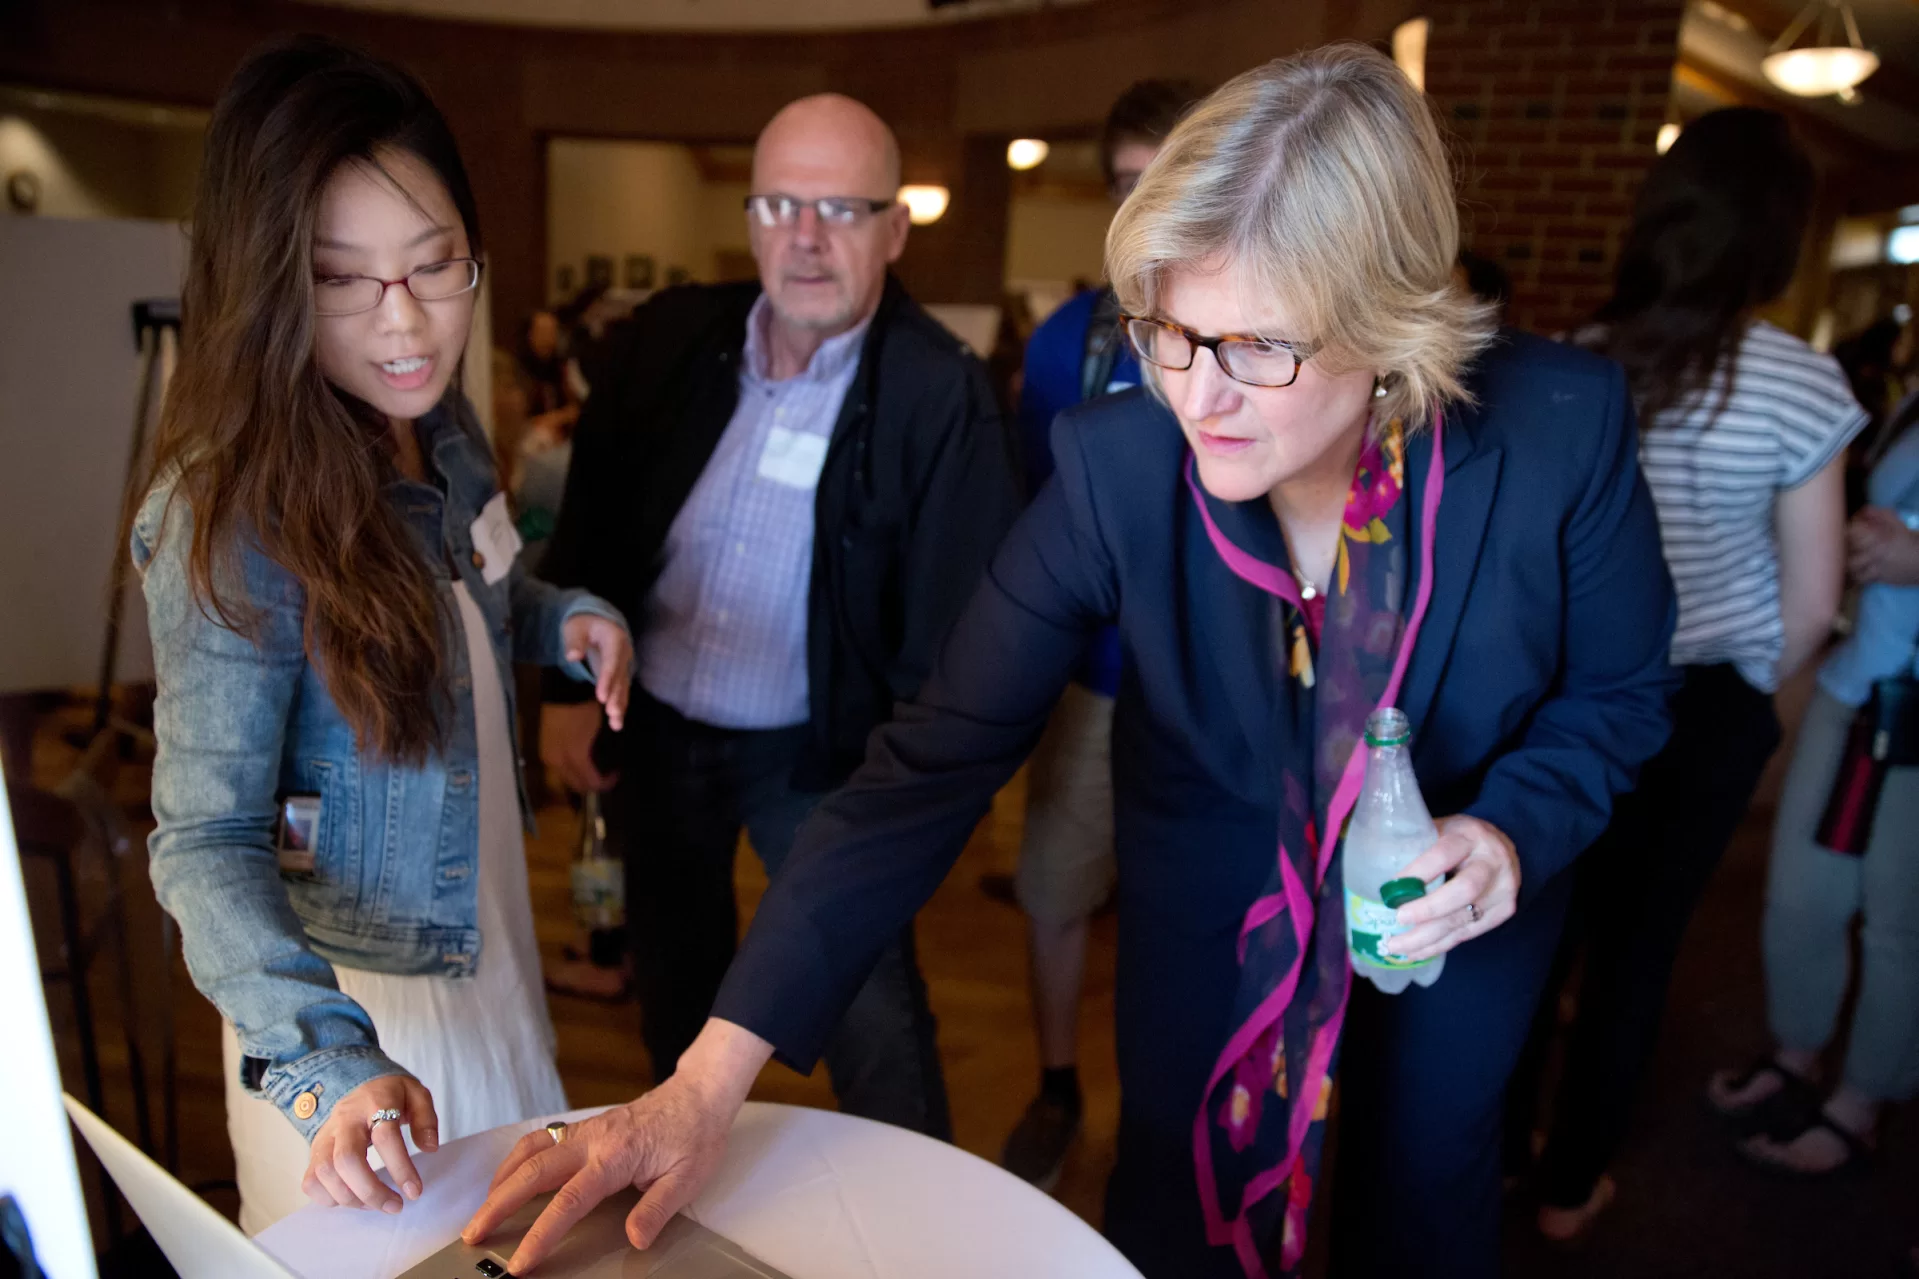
1368,923
599,893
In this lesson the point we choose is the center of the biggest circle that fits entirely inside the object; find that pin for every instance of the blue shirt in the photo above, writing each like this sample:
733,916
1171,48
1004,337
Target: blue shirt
1055,356
723,639
1884,633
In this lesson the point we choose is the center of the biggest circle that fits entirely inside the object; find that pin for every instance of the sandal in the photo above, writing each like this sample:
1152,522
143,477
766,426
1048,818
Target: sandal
1858,1150
1791,1106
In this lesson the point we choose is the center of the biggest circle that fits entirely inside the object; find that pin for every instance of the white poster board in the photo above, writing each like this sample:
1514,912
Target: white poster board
37,1167
68,384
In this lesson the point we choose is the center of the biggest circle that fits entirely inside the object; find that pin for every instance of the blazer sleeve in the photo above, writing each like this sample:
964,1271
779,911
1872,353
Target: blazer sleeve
874,851
1552,794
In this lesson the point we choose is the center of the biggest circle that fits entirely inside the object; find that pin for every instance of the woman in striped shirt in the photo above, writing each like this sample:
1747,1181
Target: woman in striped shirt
1743,431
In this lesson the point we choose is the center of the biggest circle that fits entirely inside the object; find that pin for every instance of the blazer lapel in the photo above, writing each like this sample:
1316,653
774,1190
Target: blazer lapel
1233,625
1472,480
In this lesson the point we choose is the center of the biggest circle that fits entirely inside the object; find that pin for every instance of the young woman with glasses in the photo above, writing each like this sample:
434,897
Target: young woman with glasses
335,605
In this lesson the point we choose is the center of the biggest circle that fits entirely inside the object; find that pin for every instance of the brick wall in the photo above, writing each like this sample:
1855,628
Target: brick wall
1556,107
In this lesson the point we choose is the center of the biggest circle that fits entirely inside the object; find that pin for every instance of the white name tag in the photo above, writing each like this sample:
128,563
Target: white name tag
793,458
496,540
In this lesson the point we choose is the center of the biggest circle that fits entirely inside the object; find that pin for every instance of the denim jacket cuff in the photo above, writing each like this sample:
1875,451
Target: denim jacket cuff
324,1077
592,605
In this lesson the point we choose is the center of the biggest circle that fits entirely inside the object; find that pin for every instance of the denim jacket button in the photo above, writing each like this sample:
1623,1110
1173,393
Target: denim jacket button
304,1105
479,560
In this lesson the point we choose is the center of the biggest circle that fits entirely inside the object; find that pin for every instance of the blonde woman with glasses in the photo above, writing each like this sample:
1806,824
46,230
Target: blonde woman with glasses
1338,492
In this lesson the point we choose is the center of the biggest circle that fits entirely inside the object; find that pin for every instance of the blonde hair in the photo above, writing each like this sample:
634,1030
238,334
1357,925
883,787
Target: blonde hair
1321,182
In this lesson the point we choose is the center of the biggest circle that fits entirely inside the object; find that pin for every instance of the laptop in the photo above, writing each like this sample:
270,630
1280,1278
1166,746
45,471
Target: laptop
194,1237
199,1241
596,1248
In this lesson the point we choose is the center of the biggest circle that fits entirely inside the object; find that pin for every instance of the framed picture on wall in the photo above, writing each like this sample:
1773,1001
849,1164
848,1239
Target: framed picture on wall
676,275
599,271
639,271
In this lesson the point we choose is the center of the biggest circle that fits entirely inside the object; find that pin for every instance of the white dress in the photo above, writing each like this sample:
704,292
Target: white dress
482,1045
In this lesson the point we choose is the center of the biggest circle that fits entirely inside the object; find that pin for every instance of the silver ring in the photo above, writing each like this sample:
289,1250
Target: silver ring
1472,912
383,1117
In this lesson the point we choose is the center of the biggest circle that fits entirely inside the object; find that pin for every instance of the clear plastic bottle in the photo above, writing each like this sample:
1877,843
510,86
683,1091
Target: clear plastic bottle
1389,828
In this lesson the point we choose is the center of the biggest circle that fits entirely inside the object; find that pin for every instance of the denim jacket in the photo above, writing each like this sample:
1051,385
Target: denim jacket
393,882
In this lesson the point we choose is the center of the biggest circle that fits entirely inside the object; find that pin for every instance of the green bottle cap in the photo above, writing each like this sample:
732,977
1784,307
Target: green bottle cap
1397,892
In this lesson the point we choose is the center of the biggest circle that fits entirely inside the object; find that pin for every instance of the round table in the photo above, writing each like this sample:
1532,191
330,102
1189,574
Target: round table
817,1194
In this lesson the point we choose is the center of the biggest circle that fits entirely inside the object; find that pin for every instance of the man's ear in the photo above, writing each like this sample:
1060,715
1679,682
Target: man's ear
900,223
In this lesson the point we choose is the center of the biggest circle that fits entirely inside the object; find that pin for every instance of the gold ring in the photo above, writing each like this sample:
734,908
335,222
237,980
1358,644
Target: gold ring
557,1131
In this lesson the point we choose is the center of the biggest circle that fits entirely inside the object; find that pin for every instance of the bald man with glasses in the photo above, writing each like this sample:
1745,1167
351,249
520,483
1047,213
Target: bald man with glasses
791,486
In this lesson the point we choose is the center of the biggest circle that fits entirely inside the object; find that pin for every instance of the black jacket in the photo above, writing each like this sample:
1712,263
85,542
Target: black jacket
921,481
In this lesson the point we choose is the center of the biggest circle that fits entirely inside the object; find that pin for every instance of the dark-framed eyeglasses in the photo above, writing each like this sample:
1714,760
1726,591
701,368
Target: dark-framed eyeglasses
1242,357
434,282
833,210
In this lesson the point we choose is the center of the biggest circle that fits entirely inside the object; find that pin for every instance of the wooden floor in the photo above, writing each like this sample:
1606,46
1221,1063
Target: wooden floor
1686,1207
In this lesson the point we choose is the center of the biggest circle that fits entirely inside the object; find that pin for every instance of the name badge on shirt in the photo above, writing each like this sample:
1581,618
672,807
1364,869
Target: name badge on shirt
793,458
495,538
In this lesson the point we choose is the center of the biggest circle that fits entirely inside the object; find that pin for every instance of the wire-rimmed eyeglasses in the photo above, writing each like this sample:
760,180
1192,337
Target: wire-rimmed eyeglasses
434,282
775,210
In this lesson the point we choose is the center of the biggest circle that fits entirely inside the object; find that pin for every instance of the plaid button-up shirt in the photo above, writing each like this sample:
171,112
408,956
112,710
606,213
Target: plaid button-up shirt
723,639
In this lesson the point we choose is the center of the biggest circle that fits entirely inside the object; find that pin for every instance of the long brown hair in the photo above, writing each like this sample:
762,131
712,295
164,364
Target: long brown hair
265,450
1715,234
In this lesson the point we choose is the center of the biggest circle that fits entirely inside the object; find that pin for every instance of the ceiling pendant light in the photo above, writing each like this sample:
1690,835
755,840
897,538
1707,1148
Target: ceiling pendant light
1825,68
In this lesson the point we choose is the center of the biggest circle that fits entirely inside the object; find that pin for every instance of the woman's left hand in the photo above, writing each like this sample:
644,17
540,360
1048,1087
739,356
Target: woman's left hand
1880,548
609,642
1481,895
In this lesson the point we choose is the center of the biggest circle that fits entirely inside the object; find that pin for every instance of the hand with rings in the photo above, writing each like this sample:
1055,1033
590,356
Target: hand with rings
371,1116
1481,895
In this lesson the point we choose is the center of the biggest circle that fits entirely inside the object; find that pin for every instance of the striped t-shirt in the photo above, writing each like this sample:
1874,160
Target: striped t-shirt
1715,472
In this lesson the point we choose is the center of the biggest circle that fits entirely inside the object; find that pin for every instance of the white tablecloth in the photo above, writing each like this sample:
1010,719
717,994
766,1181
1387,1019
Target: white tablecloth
818,1194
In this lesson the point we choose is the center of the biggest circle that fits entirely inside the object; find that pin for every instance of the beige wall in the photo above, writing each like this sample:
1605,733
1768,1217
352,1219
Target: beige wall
622,198
726,216
95,168
1059,238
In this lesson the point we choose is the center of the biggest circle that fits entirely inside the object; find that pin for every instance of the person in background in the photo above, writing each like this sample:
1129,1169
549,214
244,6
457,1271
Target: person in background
1337,491
1743,434
335,604
1813,893
792,485
542,368
1879,363
1066,869
1875,361
1485,279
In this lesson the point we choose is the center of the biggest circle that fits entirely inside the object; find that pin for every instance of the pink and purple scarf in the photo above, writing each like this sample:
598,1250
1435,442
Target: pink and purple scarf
1257,1137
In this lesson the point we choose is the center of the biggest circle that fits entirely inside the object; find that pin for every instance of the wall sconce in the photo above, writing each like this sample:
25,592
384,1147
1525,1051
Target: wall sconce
1668,134
1026,153
925,205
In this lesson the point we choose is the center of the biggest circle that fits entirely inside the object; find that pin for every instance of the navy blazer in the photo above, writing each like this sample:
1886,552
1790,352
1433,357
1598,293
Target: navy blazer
1537,686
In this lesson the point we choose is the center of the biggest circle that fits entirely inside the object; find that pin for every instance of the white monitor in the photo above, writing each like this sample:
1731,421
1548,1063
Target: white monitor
37,1167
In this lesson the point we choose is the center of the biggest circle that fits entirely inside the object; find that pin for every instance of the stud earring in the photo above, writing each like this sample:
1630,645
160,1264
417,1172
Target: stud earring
1379,388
